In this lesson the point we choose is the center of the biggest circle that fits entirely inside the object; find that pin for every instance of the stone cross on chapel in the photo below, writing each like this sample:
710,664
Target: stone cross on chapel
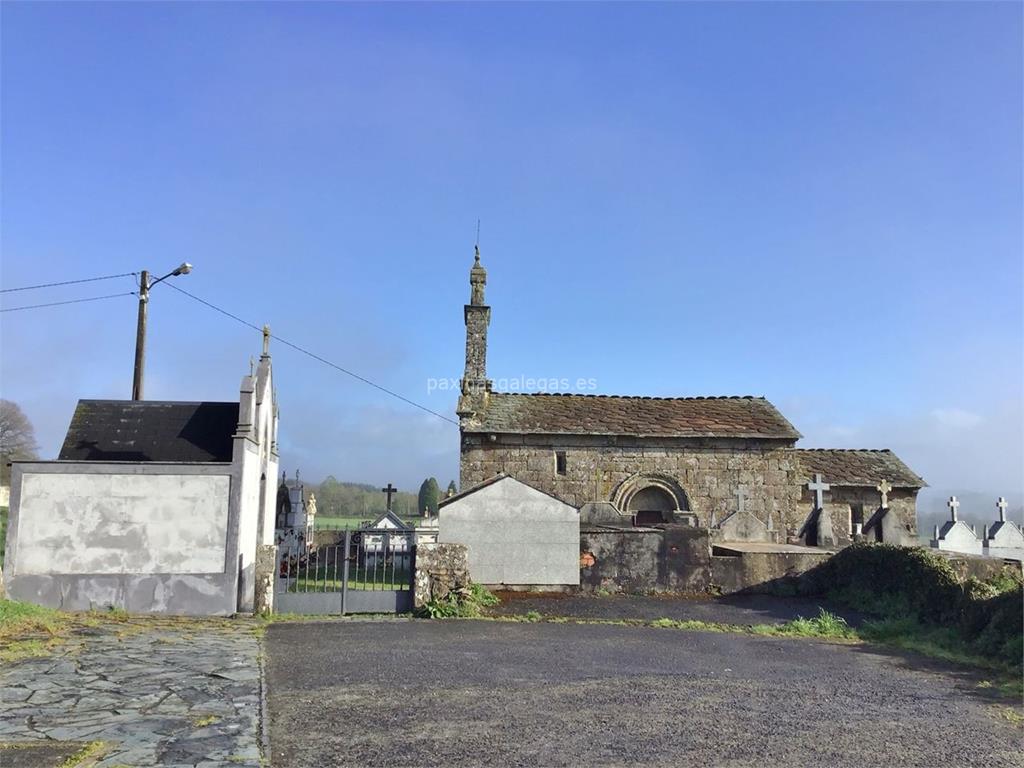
741,496
819,488
1002,509
884,488
389,492
953,504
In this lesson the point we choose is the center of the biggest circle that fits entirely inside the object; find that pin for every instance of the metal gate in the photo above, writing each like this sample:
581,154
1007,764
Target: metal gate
363,571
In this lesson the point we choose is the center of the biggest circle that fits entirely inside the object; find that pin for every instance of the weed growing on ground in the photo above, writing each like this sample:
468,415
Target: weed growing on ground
467,602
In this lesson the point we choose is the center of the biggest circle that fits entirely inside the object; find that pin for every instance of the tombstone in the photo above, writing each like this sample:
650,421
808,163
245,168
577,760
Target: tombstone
1004,538
955,535
742,525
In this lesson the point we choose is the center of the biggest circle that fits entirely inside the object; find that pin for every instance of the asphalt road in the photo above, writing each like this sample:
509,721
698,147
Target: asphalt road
461,693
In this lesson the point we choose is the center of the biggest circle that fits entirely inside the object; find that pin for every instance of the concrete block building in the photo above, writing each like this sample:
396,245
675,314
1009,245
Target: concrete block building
151,506
694,460
515,534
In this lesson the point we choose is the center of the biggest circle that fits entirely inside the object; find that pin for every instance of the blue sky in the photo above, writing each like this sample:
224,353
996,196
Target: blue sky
816,202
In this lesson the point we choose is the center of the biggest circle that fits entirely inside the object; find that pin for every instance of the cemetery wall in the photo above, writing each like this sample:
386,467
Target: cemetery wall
160,538
679,559
708,471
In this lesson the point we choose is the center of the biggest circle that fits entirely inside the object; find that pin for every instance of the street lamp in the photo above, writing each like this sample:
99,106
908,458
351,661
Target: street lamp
140,333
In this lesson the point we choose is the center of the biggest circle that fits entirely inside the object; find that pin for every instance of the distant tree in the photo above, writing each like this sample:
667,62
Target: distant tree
452,490
17,438
428,496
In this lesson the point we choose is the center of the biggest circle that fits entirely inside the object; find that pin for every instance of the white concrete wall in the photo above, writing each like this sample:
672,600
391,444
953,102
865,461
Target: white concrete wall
121,524
515,534
149,538
249,511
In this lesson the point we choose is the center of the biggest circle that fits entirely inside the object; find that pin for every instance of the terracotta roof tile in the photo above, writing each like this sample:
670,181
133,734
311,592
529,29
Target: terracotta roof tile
727,417
857,467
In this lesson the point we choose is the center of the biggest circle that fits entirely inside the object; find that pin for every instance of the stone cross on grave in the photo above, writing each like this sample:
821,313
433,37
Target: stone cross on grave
741,496
819,489
884,488
389,492
1002,508
952,504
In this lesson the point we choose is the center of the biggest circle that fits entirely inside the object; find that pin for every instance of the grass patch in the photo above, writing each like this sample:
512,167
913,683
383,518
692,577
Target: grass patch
330,579
27,630
91,752
202,721
325,523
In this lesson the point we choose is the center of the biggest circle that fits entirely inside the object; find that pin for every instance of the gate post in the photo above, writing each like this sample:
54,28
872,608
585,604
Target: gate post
266,578
344,572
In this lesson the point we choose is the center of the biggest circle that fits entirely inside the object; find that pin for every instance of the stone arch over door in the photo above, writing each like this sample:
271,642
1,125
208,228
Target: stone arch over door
650,498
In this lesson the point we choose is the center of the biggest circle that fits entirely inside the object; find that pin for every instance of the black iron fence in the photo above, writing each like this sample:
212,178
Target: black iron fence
369,569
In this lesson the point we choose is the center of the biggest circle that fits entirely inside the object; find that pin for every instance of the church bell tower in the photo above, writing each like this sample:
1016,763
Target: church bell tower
475,385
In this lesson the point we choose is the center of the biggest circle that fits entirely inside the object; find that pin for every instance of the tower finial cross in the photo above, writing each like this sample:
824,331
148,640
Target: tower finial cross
1002,508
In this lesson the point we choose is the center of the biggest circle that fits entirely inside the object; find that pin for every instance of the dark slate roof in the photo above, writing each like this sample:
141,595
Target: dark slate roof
150,430
857,467
737,417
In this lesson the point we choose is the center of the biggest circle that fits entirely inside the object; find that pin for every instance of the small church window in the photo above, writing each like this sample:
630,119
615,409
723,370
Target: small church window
560,462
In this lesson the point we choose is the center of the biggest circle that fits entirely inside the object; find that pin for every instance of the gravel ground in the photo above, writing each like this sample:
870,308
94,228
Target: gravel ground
454,693
742,609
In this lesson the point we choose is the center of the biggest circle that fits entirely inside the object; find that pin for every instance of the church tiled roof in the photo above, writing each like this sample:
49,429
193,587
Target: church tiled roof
725,417
150,430
857,467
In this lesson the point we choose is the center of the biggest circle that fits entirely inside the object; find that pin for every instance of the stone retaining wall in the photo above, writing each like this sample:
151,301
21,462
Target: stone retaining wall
679,559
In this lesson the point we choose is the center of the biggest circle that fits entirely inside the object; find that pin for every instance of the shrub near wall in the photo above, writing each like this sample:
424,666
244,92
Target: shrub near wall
914,584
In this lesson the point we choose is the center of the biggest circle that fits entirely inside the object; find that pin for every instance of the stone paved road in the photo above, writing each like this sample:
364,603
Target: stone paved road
461,693
158,692
735,609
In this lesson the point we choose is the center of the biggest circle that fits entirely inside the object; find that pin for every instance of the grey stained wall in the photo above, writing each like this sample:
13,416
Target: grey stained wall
708,471
152,537
515,535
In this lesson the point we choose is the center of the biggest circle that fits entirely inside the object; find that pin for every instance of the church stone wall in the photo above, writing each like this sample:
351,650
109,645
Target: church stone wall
709,471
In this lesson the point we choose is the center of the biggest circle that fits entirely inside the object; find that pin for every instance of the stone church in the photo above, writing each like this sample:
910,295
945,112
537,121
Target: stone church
726,463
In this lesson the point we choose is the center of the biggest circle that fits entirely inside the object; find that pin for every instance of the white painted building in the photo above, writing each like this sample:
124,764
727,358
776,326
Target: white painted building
152,506
516,535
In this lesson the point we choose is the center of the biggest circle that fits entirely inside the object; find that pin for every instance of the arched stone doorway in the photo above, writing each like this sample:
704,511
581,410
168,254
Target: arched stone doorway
650,499
651,505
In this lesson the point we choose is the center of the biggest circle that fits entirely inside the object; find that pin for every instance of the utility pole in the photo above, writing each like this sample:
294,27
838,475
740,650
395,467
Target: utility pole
140,336
140,331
